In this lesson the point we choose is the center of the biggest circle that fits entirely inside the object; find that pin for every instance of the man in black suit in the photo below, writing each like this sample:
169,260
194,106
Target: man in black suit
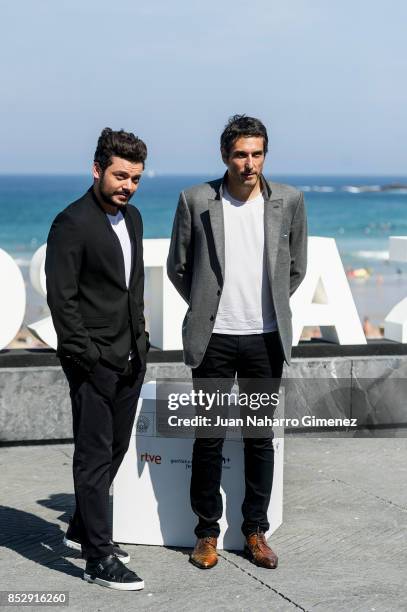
95,284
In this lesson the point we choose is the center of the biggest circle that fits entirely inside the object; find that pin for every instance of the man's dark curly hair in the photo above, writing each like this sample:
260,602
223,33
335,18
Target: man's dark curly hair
119,144
240,126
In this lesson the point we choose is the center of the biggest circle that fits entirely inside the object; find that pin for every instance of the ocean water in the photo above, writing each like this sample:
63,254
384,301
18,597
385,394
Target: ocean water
360,221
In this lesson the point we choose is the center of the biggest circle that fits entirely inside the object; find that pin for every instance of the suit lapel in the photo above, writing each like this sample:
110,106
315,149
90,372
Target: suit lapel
115,242
133,241
273,214
218,231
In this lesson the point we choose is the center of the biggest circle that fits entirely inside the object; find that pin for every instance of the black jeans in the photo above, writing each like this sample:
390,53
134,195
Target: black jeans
104,405
256,356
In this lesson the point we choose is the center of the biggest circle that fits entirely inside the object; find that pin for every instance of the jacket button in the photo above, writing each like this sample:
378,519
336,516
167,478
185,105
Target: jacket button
211,318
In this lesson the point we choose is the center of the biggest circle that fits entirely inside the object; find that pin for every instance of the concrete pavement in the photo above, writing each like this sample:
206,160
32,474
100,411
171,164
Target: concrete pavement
342,545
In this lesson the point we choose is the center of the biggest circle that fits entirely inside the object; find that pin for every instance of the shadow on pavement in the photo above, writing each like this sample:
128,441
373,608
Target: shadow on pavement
35,539
65,503
60,502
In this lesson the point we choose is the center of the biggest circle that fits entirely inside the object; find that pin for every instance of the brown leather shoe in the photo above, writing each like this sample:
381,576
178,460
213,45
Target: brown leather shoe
259,552
204,554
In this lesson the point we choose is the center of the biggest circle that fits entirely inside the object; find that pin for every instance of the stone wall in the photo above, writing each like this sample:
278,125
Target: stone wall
35,405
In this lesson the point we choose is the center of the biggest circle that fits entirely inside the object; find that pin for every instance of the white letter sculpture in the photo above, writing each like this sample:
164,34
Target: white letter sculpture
12,302
43,329
164,308
324,297
395,324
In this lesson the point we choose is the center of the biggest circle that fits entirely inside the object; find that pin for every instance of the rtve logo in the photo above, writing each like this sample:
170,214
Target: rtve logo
150,458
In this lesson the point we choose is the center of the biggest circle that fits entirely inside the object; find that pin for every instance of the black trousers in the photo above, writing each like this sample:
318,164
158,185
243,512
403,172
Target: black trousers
250,358
104,405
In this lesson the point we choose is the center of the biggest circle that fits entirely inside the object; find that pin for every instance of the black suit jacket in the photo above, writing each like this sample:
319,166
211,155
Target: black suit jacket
94,314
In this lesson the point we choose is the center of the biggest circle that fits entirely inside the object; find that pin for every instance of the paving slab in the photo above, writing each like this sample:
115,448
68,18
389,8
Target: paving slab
341,546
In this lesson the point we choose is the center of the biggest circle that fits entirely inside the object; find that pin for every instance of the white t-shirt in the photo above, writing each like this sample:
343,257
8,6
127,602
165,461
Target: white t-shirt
119,226
246,305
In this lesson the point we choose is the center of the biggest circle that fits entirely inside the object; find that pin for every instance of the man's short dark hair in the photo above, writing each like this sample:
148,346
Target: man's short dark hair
119,144
240,126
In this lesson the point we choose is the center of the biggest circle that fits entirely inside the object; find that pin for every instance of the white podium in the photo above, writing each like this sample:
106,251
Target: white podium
151,490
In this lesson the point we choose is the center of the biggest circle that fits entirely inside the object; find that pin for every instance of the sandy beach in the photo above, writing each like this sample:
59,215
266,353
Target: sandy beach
377,295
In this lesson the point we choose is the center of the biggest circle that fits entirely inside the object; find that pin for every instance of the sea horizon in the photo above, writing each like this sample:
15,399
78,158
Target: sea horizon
360,222
158,173
335,207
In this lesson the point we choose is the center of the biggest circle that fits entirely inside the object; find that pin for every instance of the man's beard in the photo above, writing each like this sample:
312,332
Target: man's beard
108,199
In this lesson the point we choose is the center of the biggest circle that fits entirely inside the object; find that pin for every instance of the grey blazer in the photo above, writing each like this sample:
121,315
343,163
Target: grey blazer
196,260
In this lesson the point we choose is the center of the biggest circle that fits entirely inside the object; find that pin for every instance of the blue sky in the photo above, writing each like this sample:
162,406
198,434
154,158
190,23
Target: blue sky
327,78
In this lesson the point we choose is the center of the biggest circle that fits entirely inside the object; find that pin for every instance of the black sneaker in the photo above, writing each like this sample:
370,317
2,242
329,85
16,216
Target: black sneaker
111,573
72,541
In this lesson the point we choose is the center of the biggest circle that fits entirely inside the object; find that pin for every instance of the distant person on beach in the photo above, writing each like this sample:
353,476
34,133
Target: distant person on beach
238,252
95,285
370,330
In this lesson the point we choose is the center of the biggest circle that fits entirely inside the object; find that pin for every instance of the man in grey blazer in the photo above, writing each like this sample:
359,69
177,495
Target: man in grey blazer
238,252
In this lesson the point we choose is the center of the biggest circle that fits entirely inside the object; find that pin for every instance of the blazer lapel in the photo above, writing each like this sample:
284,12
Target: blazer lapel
273,214
133,241
218,231
114,242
